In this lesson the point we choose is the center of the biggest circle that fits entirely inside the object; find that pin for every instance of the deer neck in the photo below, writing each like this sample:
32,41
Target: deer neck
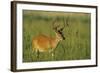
56,40
58,37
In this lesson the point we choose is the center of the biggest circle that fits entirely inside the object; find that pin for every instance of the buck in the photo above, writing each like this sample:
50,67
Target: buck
44,43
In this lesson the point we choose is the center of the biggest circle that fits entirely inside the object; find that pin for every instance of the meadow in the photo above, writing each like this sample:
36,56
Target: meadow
76,46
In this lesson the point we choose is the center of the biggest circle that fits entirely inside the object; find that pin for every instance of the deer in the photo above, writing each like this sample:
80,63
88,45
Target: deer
44,43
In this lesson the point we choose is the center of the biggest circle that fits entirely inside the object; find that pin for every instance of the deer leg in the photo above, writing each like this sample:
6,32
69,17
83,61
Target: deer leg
37,54
52,54
32,56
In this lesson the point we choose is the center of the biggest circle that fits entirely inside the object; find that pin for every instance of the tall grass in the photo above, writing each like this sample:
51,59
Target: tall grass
76,46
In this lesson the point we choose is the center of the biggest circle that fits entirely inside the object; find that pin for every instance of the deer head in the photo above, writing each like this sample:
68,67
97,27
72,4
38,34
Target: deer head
59,28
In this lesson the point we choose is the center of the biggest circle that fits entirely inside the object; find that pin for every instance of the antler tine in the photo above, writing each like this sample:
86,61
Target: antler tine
54,24
67,21
63,24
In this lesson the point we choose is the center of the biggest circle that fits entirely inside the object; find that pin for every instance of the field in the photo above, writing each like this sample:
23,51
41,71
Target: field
76,46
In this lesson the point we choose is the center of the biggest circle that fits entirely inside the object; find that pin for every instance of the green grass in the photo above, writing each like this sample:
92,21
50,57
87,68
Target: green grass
76,46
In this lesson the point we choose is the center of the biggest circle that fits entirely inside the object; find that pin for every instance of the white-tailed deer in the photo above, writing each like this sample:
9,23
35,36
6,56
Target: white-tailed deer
44,43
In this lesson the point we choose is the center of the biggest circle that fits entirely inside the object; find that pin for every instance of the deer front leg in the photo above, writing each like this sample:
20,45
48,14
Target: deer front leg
52,54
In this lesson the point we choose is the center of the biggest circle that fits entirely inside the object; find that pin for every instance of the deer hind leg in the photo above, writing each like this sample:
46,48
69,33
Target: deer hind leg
32,55
37,55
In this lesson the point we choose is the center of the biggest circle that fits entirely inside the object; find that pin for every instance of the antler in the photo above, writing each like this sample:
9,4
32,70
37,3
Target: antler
55,24
58,27
67,20
64,24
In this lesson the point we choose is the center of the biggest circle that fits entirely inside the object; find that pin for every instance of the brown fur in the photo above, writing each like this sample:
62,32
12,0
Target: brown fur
45,43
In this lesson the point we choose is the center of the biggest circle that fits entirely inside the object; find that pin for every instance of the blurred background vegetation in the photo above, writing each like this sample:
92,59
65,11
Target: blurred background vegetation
76,46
